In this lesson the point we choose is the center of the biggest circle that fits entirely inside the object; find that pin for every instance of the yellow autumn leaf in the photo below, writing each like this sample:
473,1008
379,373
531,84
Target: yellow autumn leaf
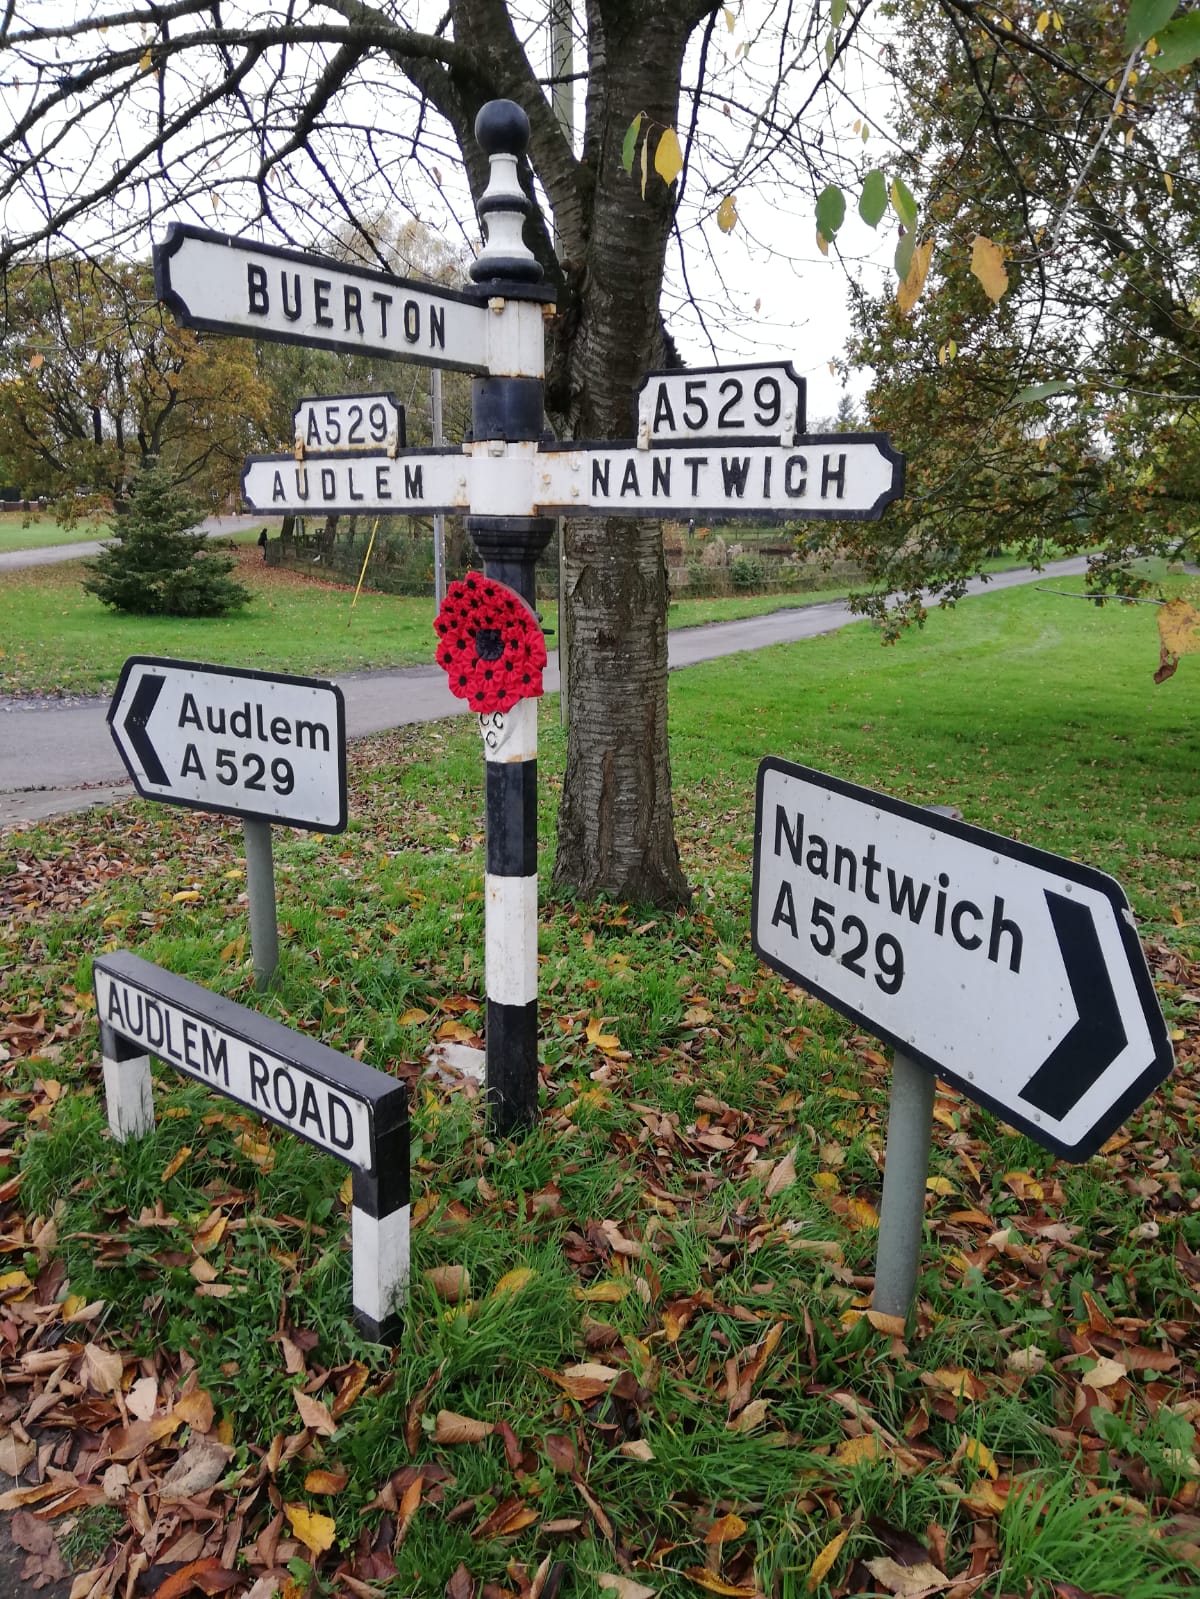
861,1213
36,360
981,1458
909,291
186,896
146,62
939,1185
604,1041
1043,22
827,1182
1179,627
315,1531
645,165
727,214
725,1529
703,1578
1170,182
987,264
854,1451
668,157
823,1564
175,1162
513,1281
605,1293
412,1016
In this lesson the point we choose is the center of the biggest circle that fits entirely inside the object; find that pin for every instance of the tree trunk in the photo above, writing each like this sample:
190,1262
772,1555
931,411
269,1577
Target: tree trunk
616,821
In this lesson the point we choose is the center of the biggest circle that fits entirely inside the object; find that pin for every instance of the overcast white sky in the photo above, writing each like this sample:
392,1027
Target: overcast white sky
766,291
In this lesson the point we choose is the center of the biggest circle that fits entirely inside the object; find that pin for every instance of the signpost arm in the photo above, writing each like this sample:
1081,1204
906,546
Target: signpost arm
507,418
260,892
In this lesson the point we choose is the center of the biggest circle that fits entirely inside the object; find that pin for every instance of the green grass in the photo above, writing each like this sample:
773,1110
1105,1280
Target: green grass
1037,716
59,639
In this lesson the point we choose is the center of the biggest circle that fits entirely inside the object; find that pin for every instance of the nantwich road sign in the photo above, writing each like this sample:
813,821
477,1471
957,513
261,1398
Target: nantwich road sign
841,476
250,744
225,285
732,404
349,1110
1012,973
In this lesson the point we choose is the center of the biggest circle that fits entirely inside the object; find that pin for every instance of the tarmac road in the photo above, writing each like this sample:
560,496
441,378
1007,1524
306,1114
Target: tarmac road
215,526
57,755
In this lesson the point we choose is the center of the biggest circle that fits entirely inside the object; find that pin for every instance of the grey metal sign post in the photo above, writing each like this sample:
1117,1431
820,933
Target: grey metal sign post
331,1101
1014,974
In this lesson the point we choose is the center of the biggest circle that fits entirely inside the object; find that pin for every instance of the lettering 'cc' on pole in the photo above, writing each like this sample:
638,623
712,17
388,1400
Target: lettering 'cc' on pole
507,421
332,1101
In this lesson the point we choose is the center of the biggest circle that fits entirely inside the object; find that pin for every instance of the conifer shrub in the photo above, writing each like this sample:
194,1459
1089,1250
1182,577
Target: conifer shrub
159,562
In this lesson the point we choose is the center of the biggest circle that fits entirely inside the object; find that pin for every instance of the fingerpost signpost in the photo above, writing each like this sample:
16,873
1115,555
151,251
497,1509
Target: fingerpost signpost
718,443
1014,974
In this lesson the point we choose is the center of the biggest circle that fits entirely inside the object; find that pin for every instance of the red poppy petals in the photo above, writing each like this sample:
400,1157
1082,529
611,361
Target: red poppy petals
476,605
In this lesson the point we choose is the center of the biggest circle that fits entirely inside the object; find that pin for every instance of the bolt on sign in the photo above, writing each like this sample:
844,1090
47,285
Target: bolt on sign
332,1101
1014,974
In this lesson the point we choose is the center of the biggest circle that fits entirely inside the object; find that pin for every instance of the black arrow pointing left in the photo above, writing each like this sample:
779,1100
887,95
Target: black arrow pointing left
1098,1036
144,700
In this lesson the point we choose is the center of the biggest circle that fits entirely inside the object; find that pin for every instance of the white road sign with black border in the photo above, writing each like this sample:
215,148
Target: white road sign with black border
243,743
349,421
760,403
219,284
1015,974
847,477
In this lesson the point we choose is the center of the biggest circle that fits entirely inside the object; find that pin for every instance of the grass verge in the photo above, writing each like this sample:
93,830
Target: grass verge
663,1375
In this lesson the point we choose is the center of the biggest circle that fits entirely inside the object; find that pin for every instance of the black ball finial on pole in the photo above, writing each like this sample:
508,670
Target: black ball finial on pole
502,128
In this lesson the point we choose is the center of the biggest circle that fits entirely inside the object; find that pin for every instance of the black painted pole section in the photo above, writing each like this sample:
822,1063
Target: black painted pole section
507,420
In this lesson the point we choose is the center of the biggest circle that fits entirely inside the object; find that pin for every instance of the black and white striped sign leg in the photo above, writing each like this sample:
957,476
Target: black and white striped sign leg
379,1239
128,1091
511,915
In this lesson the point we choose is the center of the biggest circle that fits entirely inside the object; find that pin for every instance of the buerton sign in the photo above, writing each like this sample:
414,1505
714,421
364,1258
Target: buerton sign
245,743
221,284
334,1102
1015,974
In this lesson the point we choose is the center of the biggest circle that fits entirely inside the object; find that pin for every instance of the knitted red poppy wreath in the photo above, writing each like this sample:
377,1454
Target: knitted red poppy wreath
491,647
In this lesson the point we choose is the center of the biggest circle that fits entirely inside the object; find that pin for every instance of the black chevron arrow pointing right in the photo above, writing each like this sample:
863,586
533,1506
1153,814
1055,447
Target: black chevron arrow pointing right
144,701
1098,1037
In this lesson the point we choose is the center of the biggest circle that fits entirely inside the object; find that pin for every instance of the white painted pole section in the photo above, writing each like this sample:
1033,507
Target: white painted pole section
129,1096
510,938
379,1249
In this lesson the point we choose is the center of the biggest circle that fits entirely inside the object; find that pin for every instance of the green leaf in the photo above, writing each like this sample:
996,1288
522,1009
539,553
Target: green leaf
831,210
873,200
1145,18
903,203
904,256
1178,43
1040,391
630,144
837,11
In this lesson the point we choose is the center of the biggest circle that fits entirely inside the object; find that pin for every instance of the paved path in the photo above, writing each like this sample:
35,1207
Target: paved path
59,756
49,554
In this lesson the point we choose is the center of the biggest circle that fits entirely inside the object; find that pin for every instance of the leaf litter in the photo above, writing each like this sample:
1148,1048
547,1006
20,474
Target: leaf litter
680,1385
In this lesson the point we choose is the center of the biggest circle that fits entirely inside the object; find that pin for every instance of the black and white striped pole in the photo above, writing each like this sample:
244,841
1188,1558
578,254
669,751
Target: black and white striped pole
507,421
